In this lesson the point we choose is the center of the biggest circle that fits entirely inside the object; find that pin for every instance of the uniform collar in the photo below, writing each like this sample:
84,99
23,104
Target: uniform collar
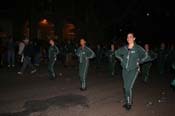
126,47
83,48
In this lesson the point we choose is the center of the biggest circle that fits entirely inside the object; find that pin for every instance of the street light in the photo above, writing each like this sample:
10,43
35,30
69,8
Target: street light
44,21
147,14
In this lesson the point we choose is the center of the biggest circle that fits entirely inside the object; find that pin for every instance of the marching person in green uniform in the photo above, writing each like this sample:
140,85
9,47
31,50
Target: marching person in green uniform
130,56
52,55
112,60
84,53
99,54
69,51
147,66
173,67
161,59
170,58
173,82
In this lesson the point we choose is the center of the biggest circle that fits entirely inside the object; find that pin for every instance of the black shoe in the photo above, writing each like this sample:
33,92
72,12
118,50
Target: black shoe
83,89
127,106
173,87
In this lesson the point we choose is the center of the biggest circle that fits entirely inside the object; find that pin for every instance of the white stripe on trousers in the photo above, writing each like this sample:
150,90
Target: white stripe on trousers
84,74
132,83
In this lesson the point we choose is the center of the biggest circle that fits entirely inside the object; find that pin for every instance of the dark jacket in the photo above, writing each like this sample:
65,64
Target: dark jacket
28,50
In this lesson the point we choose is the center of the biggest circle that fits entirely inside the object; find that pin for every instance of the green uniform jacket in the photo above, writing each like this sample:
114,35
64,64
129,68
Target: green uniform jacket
53,52
85,54
162,56
130,59
152,56
111,55
173,65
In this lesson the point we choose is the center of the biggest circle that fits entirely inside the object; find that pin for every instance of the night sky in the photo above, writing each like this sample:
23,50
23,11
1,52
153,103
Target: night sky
149,19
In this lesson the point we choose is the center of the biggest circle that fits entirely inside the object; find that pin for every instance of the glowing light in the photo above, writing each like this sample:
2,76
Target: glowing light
69,31
44,21
147,14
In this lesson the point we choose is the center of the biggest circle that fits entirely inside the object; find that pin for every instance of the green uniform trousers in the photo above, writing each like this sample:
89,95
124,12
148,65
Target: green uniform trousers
112,68
145,71
129,78
83,69
51,69
173,82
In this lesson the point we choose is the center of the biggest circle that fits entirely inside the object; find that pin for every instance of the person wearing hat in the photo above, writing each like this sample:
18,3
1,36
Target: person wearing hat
130,56
52,55
84,53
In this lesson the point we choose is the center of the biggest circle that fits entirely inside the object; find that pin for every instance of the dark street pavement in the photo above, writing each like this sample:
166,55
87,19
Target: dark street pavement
35,95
